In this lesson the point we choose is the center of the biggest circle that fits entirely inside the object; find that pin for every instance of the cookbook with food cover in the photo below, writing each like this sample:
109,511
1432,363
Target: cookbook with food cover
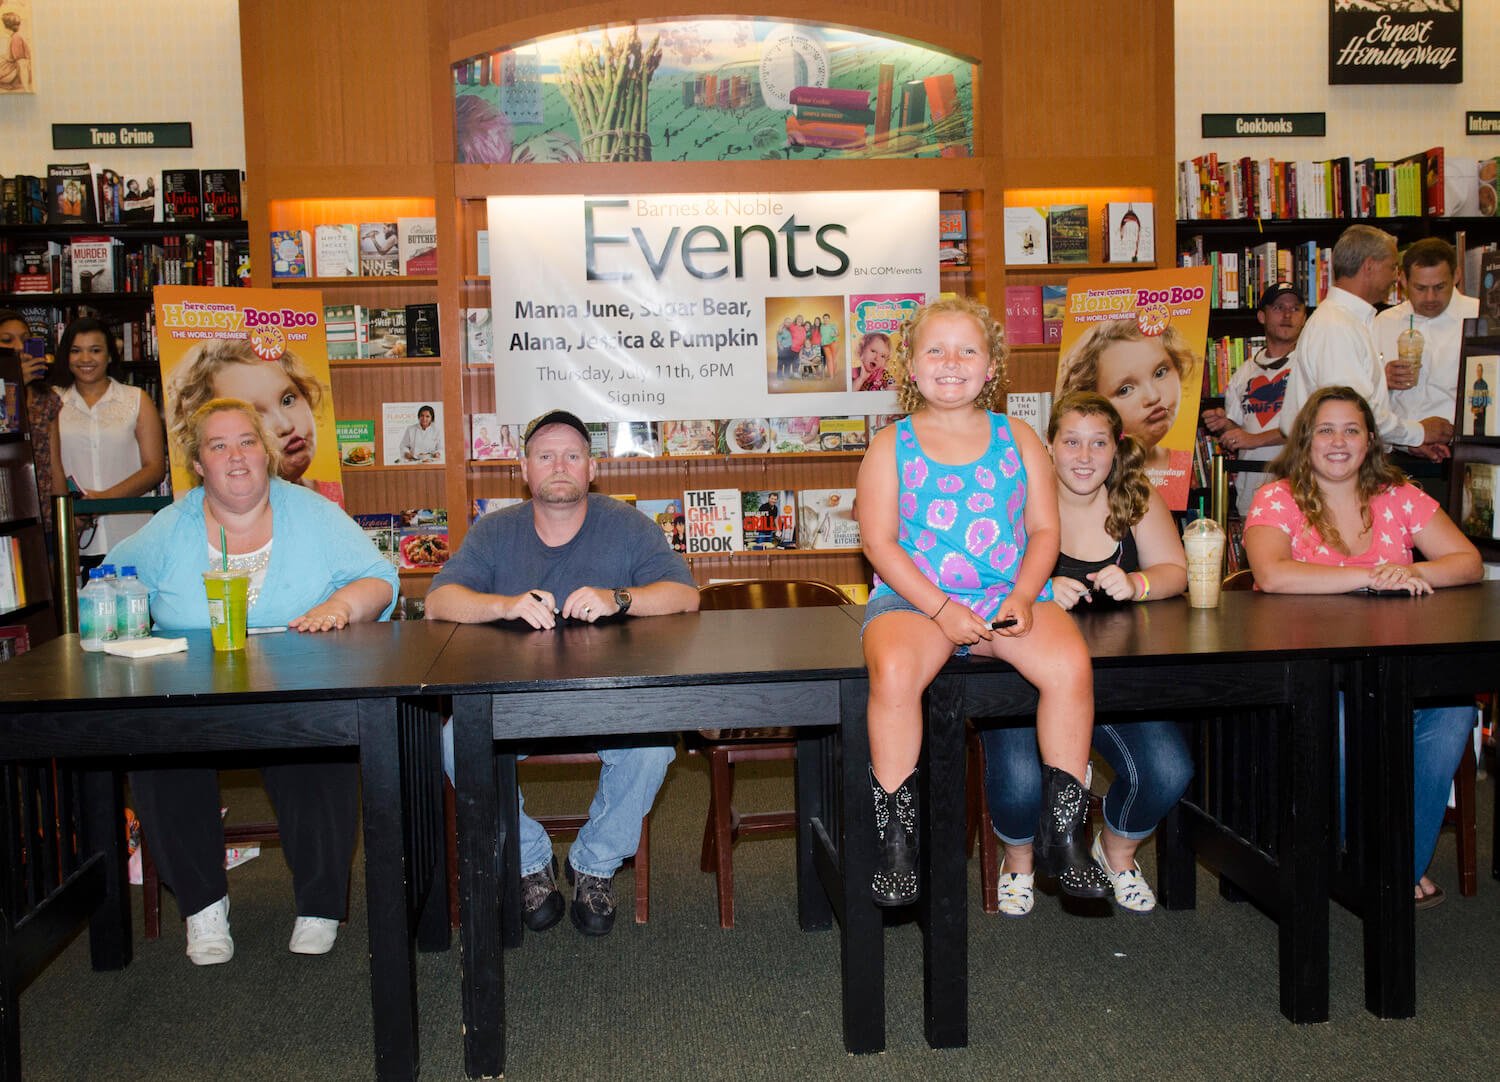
769,518
842,433
713,520
422,539
412,433
356,442
746,436
825,519
381,530
794,435
691,437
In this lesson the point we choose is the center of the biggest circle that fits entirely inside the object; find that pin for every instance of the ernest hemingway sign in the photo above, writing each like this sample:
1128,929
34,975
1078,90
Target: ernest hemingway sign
1395,41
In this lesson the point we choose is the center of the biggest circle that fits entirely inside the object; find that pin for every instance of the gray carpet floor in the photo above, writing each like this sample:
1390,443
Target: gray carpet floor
1187,995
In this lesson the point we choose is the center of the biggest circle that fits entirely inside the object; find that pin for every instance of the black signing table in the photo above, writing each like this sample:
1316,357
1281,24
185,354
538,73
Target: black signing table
94,712
786,667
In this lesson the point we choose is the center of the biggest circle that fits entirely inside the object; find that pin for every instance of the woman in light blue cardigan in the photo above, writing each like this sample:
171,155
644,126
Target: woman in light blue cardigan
311,569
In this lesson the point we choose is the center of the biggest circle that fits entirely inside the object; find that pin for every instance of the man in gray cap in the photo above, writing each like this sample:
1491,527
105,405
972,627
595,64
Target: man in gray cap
1247,425
568,554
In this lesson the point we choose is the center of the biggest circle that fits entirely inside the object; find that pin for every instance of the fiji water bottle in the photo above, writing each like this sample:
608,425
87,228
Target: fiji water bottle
132,605
97,623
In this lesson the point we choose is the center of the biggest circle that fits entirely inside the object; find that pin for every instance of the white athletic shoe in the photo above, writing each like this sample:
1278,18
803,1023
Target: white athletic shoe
208,941
313,935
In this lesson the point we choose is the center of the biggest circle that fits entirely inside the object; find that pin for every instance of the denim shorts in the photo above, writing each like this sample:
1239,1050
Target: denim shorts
894,602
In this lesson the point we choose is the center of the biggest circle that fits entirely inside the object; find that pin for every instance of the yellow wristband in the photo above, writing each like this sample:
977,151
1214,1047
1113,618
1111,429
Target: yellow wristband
1145,586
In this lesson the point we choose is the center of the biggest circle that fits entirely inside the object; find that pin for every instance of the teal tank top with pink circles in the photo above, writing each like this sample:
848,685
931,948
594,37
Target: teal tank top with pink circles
964,526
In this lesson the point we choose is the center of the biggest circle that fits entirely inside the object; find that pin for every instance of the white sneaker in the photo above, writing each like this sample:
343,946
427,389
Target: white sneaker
313,935
208,941
1131,890
1017,894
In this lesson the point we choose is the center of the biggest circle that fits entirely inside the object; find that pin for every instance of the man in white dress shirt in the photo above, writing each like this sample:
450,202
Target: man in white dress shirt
1435,308
1338,348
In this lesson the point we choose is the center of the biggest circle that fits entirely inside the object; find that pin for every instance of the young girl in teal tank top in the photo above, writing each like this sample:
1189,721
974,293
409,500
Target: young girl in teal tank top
959,518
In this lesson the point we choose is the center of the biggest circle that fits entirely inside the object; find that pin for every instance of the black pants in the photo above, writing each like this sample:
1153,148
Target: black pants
317,808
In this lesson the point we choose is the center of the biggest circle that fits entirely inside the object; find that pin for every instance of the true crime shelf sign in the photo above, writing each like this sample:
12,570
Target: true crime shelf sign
1263,125
122,136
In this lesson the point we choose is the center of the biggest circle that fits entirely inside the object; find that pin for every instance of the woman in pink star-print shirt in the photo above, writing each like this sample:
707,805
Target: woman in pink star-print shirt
1339,517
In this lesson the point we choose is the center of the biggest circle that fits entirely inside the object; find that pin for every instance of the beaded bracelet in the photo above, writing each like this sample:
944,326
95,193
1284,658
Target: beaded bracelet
1145,586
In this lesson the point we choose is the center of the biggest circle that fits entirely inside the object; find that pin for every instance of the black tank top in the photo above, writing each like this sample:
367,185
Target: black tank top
1125,556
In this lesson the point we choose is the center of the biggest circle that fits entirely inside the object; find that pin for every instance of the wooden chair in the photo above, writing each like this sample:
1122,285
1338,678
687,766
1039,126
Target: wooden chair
568,826
725,747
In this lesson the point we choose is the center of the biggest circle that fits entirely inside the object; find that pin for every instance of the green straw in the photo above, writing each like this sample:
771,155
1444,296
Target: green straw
223,549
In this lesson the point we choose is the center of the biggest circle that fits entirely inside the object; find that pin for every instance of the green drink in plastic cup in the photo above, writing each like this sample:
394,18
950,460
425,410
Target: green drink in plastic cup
228,595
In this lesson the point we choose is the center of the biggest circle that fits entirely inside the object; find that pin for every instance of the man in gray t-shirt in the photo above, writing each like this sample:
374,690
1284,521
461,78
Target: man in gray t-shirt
569,554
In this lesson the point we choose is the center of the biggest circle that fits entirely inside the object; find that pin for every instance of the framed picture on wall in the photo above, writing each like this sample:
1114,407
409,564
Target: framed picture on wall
17,50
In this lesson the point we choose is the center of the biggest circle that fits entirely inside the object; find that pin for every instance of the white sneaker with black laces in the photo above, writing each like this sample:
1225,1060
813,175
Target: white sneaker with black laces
1132,892
208,940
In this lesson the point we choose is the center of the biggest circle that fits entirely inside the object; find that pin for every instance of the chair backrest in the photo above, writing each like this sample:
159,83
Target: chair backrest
770,594
1243,579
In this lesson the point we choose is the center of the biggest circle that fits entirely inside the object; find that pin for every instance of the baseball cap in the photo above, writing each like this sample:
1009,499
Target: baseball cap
1276,292
554,417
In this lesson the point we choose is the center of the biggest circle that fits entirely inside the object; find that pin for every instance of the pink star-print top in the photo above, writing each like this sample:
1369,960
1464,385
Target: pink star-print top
964,526
1397,516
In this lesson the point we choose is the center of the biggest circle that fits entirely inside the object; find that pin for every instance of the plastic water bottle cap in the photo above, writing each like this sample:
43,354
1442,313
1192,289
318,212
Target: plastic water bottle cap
108,569
127,571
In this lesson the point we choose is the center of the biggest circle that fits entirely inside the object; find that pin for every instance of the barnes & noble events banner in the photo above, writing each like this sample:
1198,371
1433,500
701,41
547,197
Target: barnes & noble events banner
266,346
685,307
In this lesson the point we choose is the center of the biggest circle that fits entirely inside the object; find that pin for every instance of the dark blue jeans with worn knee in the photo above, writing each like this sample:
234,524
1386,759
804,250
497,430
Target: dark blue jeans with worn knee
1151,763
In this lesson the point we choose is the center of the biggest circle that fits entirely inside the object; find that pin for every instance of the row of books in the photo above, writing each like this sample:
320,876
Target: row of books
1336,188
88,194
355,331
843,118
403,248
1034,314
405,439
1060,233
13,592
1241,276
712,521
45,323
489,440
102,264
1223,358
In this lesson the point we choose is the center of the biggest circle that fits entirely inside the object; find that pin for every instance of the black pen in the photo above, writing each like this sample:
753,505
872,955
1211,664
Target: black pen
538,597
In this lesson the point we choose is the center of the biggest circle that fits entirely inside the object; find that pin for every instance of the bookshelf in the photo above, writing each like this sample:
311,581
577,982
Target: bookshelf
1051,111
26,578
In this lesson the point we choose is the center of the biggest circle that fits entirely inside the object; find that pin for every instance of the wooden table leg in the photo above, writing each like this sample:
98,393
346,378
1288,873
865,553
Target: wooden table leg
481,869
1381,714
814,803
1306,750
943,909
393,974
1176,863
863,945
103,829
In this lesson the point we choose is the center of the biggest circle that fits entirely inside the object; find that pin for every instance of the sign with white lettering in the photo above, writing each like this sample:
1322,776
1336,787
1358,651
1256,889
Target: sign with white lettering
1263,125
704,306
1481,122
170,134
1395,41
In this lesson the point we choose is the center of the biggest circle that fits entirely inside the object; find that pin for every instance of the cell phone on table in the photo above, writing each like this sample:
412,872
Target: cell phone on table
1009,621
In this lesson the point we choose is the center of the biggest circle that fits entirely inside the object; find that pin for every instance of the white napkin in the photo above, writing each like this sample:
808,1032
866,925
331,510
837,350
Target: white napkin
145,647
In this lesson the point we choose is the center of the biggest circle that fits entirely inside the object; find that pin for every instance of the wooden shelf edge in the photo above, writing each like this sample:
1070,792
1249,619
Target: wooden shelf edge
386,362
359,280
381,467
742,553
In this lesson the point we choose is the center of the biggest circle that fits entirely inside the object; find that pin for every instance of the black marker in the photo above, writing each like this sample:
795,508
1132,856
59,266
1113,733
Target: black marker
1009,621
538,597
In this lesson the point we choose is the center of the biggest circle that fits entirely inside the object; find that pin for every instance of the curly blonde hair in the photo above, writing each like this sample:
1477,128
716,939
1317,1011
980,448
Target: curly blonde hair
1128,487
1079,370
192,432
1376,473
193,382
907,396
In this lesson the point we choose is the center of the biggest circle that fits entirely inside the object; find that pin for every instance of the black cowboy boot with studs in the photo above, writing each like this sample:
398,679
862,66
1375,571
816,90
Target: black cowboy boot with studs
895,880
1061,846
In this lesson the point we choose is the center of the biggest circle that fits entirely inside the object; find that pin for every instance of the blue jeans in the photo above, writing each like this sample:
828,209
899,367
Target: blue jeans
1152,769
628,782
1438,737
